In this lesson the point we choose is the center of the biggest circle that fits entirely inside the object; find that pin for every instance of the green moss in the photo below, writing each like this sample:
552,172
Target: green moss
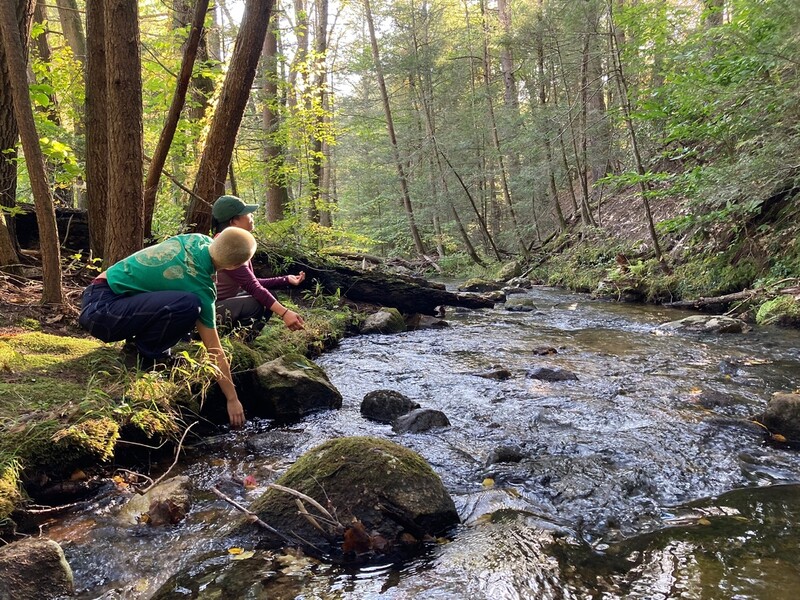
9,486
154,423
714,275
95,437
783,310
323,329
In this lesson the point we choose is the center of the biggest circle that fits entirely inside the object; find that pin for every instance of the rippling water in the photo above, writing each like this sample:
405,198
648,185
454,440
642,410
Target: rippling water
599,506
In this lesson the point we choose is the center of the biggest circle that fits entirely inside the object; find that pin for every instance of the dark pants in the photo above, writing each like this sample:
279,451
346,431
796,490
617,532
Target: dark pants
154,321
241,309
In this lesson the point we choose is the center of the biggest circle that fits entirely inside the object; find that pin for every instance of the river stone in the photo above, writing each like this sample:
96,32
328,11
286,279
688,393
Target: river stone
714,399
419,420
291,387
498,374
520,305
509,290
703,324
543,350
505,454
782,415
480,285
384,406
386,320
551,374
520,282
34,568
418,321
276,443
173,494
510,270
371,485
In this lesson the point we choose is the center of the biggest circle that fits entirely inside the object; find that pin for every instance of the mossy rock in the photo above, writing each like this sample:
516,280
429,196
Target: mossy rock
372,484
509,271
386,320
34,568
782,416
783,310
477,284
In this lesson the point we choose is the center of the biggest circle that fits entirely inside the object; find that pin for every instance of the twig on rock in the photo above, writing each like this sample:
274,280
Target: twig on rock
253,517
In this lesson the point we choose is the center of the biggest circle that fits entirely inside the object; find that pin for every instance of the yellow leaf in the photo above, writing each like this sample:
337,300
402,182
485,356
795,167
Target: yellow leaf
695,391
488,482
778,437
703,521
243,556
235,550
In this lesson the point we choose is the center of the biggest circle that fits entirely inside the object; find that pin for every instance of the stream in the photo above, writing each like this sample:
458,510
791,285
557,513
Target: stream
621,483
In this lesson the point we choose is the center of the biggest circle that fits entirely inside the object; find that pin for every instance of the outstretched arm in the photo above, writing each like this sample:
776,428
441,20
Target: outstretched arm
210,339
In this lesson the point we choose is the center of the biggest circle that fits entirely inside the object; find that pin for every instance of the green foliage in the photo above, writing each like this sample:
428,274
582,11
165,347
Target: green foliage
715,275
783,310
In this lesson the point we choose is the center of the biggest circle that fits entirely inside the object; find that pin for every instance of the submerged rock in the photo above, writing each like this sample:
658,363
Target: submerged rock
166,503
385,497
498,374
418,321
420,420
384,406
34,568
551,374
520,305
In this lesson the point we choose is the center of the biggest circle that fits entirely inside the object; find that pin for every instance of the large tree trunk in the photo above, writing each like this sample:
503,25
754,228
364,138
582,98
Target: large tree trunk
8,138
401,173
125,222
218,149
173,115
317,192
34,160
277,194
96,117
70,18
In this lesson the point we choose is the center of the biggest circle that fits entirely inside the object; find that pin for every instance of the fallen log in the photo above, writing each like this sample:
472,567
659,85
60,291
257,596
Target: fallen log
407,294
704,302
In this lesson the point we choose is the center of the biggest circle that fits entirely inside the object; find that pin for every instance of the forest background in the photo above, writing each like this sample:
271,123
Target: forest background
649,143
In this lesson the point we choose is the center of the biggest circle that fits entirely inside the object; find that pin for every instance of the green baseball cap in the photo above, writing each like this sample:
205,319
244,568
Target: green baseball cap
227,207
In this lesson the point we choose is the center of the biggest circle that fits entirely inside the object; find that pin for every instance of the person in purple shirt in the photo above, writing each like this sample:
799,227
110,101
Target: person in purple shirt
243,298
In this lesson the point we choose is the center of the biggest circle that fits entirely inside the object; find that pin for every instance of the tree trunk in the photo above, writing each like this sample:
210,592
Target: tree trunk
173,115
277,194
9,133
317,158
496,136
71,25
34,160
622,88
218,149
713,13
510,95
125,222
392,137
96,117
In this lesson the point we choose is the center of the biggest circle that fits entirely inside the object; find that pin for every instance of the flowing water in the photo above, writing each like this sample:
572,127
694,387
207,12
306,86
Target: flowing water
621,486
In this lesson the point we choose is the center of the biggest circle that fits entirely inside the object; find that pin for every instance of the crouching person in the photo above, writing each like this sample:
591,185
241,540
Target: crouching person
158,295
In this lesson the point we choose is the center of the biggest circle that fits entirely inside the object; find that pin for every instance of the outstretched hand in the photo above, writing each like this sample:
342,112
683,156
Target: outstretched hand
293,321
297,279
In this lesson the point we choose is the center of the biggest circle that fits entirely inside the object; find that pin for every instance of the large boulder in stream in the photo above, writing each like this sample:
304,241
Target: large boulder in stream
384,406
386,499
782,416
34,568
285,389
386,320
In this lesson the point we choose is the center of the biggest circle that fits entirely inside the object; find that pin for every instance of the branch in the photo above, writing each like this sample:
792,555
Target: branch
174,462
253,517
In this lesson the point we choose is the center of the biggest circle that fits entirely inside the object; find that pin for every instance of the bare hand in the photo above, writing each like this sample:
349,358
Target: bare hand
293,321
296,279
235,413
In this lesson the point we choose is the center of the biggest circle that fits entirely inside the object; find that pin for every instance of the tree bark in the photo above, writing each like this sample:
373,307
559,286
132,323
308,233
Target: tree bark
96,118
277,194
401,173
125,222
218,149
173,115
71,25
317,158
34,160
9,133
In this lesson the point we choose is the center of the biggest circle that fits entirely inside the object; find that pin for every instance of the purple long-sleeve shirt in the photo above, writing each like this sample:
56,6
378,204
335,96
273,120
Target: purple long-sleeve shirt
231,281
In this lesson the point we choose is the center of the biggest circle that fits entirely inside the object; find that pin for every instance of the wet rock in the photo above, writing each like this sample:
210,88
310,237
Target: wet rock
703,324
384,406
509,290
34,568
782,416
496,296
520,305
290,387
498,374
728,366
543,350
386,497
506,454
275,443
520,282
418,321
419,420
386,320
551,374
715,399
167,503
480,285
